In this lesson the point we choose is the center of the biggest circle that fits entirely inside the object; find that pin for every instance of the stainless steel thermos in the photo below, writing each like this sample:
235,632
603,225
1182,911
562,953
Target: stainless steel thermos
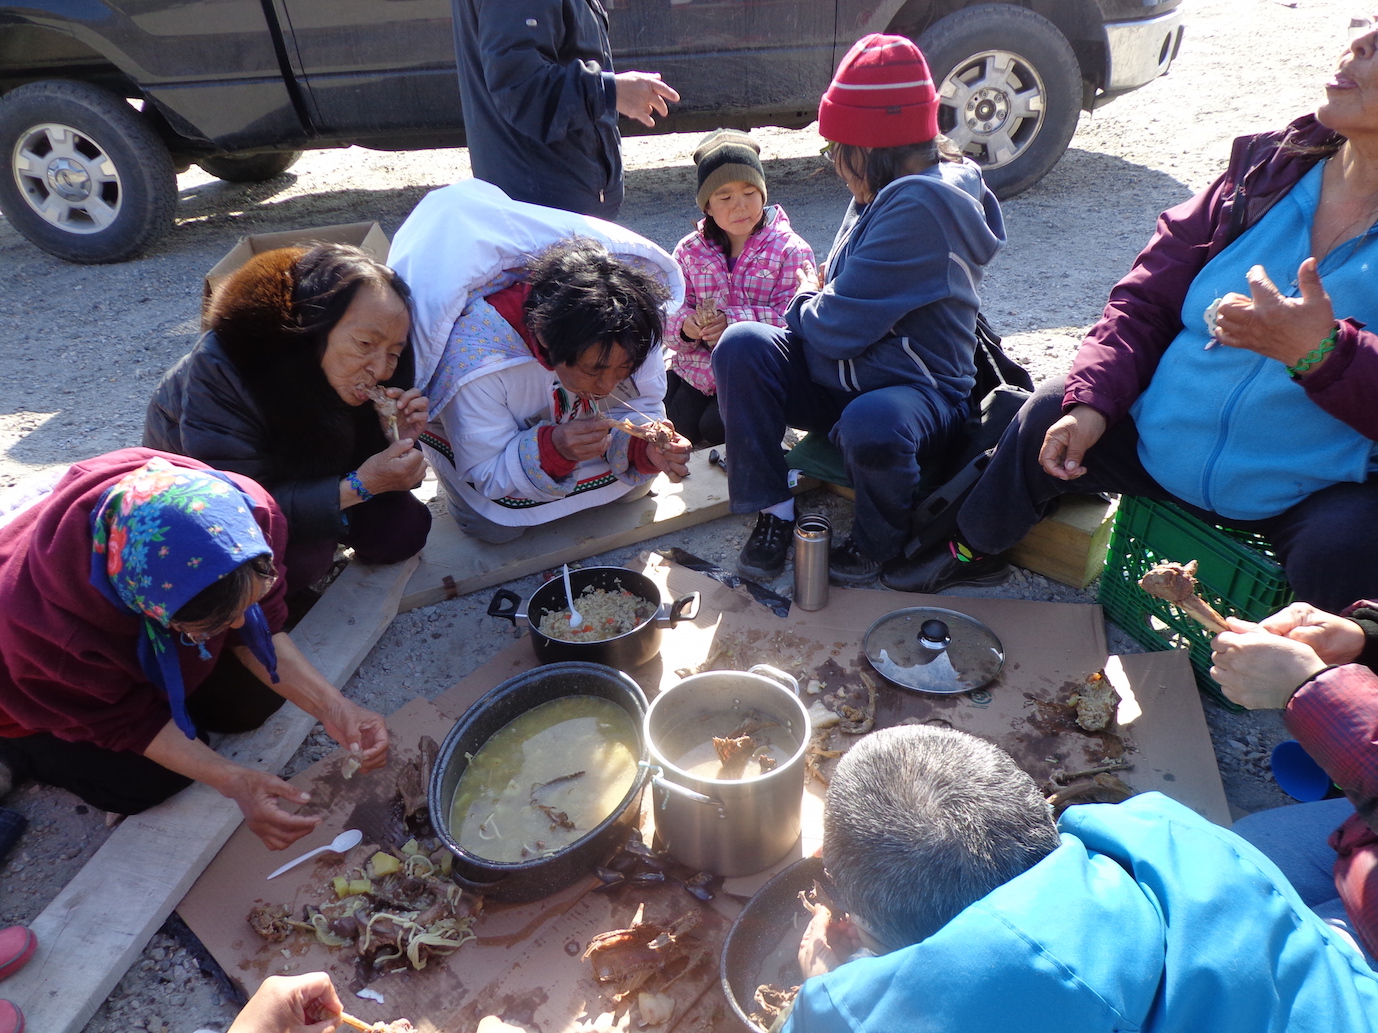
813,536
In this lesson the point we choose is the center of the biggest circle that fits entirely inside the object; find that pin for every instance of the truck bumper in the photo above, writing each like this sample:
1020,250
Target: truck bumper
1138,52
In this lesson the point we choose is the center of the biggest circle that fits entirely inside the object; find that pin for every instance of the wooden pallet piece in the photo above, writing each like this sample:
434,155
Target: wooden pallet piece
453,564
97,926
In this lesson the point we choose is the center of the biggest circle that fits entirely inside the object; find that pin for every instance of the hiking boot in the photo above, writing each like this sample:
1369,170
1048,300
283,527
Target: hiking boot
763,555
946,566
847,564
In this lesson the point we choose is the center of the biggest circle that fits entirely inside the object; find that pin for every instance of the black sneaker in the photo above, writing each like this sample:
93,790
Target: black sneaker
946,566
847,564
763,555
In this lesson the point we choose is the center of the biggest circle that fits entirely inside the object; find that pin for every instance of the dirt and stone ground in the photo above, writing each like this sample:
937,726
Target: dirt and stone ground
81,349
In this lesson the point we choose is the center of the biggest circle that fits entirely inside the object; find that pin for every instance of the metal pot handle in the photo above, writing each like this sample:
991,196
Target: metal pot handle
475,887
789,681
658,777
510,612
685,608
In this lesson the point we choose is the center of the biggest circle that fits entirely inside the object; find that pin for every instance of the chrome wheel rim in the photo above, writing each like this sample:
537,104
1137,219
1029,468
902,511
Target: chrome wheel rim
67,178
991,106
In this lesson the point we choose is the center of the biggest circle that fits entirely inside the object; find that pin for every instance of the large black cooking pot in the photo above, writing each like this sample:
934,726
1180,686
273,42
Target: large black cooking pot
550,873
627,651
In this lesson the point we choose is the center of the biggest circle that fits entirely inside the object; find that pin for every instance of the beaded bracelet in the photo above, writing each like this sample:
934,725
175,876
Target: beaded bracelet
1314,356
353,478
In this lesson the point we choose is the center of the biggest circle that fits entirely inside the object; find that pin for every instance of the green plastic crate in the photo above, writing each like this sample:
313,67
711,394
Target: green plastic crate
1238,573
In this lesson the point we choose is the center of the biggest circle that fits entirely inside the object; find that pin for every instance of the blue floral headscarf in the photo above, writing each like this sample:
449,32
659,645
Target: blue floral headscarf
161,534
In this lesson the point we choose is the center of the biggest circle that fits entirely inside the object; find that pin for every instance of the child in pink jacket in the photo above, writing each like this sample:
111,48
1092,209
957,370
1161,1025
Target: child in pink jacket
743,262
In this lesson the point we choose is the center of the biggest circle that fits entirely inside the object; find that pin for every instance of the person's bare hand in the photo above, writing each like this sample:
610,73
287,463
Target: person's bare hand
1282,328
674,460
257,793
1258,669
359,730
291,1004
1068,440
399,467
578,440
1336,640
712,330
642,96
807,279
413,411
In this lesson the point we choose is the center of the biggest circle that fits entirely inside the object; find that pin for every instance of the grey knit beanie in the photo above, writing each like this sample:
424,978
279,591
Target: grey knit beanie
728,156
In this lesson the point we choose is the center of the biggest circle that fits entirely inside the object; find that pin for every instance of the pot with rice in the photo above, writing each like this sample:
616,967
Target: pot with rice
622,610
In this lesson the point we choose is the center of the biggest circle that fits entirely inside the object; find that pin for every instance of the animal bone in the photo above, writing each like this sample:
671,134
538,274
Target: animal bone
1176,583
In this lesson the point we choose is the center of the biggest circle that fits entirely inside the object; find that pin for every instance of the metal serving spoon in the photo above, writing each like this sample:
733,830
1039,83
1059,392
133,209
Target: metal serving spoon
575,619
345,841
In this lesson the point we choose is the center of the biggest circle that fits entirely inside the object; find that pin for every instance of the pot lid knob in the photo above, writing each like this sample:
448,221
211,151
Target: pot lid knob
934,635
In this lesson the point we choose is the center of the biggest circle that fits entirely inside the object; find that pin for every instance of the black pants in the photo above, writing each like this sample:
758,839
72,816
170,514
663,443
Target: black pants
694,414
388,528
1326,542
232,699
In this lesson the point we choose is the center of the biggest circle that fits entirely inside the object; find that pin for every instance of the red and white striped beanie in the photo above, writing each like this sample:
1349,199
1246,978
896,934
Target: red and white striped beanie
882,95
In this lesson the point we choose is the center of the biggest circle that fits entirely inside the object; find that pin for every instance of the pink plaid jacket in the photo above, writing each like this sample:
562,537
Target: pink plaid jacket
759,287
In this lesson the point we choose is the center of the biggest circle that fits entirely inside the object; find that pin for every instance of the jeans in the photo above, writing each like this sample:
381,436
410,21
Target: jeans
764,387
1325,542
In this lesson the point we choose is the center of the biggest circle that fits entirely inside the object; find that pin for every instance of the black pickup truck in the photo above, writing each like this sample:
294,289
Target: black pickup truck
102,102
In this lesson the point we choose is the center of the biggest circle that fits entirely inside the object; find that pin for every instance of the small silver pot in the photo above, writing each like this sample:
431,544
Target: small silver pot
727,826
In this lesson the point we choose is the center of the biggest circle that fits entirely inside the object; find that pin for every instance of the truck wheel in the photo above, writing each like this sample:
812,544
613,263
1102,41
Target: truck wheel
85,177
1009,90
249,168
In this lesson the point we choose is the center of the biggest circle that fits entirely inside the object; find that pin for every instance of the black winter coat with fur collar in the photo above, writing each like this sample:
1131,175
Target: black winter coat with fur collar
255,402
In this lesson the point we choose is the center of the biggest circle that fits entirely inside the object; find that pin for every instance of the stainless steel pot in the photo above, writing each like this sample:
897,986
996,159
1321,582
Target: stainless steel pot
627,651
727,826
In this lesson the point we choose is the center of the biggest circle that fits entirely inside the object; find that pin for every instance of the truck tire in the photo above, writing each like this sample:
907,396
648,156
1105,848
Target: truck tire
249,168
1009,90
84,178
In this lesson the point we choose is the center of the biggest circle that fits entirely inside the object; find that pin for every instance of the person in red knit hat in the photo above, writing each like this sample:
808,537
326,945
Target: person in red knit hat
879,353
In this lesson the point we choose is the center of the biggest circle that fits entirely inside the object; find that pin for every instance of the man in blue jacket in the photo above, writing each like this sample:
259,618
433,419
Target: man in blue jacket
1140,916
541,101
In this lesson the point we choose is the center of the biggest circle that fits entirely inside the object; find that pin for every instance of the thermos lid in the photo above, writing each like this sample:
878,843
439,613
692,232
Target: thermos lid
929,649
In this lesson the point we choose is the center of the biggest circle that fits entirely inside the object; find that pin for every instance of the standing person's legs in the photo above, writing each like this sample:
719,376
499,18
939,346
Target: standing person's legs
1327,545
763,388
884,436
1014,493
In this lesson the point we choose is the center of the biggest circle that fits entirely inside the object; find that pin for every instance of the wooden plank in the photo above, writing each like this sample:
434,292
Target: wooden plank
101,921
1069,545
472,565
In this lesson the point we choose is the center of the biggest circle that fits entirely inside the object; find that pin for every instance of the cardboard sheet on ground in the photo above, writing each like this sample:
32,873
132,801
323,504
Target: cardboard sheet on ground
526,965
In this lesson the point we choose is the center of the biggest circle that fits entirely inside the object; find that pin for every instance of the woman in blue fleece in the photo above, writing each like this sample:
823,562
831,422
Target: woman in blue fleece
879,357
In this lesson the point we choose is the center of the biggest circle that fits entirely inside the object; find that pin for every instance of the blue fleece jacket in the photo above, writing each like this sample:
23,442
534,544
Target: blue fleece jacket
900,302
1147,918
1227,429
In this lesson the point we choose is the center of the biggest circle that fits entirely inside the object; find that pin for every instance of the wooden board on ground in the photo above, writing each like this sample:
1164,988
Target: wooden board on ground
524,966
1069,545
453,564
100,922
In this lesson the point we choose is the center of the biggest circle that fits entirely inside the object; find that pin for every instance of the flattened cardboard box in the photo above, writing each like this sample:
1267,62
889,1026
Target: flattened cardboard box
526,963
367,235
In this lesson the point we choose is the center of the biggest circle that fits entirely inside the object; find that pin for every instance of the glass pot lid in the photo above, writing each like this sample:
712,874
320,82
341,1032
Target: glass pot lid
930,649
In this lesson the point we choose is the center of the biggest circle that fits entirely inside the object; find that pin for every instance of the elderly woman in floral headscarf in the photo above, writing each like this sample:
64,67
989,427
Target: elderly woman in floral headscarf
140,609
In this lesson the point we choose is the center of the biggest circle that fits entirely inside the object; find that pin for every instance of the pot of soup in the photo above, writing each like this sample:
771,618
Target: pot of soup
622,612
730,745
541,780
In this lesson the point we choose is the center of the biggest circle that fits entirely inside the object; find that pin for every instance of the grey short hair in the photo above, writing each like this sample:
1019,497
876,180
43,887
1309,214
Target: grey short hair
920,822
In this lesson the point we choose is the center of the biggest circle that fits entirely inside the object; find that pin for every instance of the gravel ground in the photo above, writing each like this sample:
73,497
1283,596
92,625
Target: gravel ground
83,347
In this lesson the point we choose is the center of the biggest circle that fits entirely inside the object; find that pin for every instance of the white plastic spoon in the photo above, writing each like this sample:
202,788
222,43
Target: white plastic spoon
340,844
575,619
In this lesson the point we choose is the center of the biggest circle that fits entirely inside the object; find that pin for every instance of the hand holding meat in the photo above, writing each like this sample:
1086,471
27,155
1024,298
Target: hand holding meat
1285,329
399,467
1068,440
291,1004
1176,583
359,730
1258,669
827,940
670,457
1336,640
404,414
578,440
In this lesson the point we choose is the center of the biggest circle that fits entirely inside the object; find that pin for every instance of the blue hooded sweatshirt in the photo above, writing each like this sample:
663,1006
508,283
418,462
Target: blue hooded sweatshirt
1147,918
900,302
